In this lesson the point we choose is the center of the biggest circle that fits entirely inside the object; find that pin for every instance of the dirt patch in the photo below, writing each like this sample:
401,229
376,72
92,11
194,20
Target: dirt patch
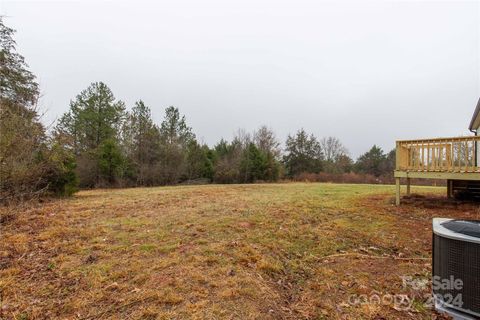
245,224
441,202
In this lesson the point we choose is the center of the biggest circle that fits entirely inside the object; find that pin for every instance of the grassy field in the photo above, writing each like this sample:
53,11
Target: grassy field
273,251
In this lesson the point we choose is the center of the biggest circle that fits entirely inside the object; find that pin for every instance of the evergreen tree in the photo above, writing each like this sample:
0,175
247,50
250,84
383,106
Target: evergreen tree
209,169
390,161
267,143
372,162
110,161
175,136
94,117
174,128
141,145
18,84
92,124
303,154
253,166
273,168
199,161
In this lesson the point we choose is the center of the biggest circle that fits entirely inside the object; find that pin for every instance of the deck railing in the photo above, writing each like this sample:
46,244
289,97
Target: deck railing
438,155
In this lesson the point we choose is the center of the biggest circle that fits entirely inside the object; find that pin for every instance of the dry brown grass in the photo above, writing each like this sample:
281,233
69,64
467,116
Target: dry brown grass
276,251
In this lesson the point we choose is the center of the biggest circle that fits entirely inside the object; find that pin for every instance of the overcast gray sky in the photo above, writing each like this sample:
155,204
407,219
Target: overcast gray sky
368,72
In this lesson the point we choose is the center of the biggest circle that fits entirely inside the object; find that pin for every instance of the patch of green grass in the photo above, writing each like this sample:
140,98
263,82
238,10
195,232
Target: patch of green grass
147,247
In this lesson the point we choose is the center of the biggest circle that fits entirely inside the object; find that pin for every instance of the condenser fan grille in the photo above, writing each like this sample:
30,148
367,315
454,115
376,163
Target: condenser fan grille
457,259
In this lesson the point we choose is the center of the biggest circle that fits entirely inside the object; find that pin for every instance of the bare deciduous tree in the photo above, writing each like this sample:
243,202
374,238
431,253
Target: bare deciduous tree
266,140
332,148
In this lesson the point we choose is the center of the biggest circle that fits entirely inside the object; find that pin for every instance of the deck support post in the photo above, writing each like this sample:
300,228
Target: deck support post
397,191
450,188
408,186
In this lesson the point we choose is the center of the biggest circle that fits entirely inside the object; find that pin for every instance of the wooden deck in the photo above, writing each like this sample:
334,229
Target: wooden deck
440,158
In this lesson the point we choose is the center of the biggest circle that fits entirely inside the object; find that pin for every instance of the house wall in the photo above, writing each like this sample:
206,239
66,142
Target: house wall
477,149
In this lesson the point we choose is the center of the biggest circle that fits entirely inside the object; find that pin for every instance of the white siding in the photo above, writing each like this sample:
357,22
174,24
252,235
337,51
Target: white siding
477,148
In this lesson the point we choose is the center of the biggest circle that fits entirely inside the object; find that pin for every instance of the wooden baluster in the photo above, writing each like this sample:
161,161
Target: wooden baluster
466,155
439,156
469,156
472,155
458,151
448,155
417,158
423,157
442,161
410,157
428,156
472,160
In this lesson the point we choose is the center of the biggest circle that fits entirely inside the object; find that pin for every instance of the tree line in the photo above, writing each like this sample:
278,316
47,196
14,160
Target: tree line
116,147
98,142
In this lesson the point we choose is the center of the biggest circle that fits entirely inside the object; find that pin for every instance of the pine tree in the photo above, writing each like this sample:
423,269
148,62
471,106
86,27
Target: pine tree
94,118
303,154
18,84
253,165
141,145
372,162
175,137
